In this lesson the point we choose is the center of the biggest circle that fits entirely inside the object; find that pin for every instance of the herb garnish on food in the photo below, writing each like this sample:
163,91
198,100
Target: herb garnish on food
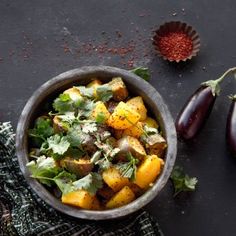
76,147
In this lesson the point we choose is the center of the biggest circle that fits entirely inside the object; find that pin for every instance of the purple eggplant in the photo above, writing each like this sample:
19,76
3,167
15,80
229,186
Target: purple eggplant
231,127
195,112
198,108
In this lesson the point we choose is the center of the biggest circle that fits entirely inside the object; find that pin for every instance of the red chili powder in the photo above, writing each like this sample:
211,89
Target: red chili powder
175,45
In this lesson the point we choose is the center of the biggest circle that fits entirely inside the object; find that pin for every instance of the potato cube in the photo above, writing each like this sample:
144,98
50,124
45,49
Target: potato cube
123,117
135,130
137,104
148,171
151,123
123,197
119,90
74,93
94,84
80,198
100,110
114,180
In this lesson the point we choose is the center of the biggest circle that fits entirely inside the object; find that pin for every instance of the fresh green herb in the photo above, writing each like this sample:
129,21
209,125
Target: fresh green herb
67,117
142,72
101,118
75,136
86,109
43,168
42,129
86,92
89,128
90,182
75,152
182,182
58,144
128,169
96,156
64,180
63,103
104,93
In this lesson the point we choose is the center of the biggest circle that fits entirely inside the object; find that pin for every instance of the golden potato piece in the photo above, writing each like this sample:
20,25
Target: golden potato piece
114,180
81,198
94,84
151,123
100,110
58,126
148,171
123,197
134,131
137,104
119,90
123,117
74,93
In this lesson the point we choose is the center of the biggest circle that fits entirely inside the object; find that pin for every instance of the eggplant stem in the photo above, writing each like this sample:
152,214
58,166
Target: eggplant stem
229,71
215,84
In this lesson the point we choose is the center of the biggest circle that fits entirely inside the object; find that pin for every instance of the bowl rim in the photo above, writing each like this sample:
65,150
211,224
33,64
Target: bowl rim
72,76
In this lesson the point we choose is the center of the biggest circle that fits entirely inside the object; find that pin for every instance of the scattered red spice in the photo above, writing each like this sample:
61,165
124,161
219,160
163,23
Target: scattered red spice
175,45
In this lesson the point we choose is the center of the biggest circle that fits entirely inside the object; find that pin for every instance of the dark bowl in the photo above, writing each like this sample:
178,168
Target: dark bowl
81,76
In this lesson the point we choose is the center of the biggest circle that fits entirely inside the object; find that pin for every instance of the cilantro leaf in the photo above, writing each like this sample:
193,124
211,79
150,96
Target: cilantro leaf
43,169
101,118
64,182
128,169
104,92
182,182
42,128
142,72
58,144
63,103
90,182
86,92
74,136
89,128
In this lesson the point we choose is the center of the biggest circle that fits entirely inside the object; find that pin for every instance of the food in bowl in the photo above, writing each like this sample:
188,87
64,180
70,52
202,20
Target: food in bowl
97,147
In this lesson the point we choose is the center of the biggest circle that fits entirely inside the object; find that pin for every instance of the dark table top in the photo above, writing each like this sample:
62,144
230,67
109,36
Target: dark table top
40,39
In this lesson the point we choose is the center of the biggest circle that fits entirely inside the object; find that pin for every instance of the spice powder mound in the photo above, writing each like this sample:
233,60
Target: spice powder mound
175,45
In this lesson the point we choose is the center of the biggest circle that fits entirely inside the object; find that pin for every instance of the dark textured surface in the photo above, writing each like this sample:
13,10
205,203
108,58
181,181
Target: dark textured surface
38,33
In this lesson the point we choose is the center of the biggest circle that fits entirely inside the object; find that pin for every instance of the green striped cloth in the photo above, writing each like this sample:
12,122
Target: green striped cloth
23,213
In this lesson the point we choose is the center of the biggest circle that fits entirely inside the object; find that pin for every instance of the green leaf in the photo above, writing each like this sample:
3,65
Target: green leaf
42,128
58,144
182,182
86,92
128,169
96,156
142,72
89,128
104,93
43,169
63,103
91,182
75,136
64,181
101,118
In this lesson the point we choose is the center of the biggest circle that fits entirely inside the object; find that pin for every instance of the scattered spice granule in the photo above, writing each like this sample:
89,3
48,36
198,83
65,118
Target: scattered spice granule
175,45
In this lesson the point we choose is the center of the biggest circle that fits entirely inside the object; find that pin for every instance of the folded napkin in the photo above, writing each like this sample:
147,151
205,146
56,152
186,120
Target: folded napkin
23,213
